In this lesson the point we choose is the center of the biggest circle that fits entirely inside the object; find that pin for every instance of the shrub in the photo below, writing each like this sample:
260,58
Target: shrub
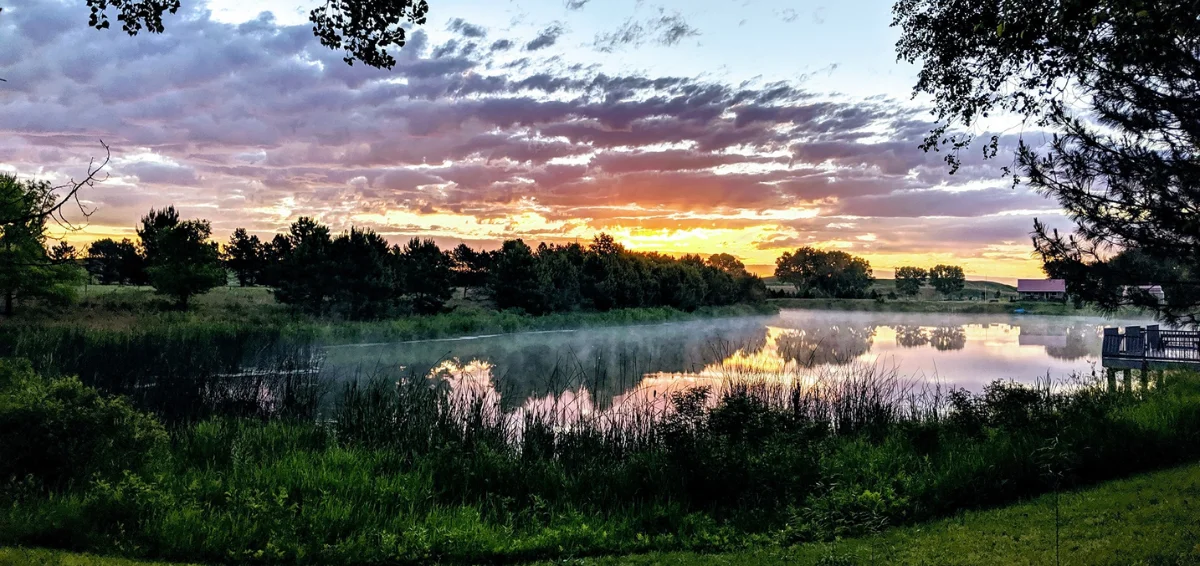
58,431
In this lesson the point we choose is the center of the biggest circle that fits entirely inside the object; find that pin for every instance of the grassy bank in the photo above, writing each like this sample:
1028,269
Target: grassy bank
919,306
971,288
1146,519
402,472
127,308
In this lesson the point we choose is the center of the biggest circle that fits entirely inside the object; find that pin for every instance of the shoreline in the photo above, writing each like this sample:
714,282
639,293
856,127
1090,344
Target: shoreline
950,307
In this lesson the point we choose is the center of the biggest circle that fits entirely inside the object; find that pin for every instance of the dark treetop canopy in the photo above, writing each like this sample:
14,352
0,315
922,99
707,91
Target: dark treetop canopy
363,28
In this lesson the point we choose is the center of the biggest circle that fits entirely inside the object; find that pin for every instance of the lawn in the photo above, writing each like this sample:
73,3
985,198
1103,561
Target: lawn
1148,519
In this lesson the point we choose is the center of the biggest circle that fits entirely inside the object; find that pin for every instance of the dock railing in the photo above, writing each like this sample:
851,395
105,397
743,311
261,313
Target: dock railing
1151,344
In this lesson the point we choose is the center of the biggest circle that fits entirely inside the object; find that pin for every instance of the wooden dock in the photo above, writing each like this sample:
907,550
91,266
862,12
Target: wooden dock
1150,348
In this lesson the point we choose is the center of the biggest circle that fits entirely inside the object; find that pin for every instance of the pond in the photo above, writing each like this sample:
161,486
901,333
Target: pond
603,367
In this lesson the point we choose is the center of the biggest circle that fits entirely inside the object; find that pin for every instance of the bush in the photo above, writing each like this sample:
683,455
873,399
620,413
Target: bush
58,431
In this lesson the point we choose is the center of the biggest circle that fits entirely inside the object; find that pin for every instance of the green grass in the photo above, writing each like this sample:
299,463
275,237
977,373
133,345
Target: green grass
44,557
115,309
1147,519
927,293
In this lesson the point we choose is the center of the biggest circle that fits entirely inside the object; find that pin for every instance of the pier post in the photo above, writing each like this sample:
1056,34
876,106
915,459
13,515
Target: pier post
1134,345
1144,377
1111,375
1127,379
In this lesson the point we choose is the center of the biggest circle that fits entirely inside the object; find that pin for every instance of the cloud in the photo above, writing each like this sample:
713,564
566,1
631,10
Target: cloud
460,26
576,4
546,38
664,29
256,124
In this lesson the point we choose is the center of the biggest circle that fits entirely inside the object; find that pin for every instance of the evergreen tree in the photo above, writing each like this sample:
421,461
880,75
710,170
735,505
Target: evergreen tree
428,276
304,276
365,274
185,262
245,257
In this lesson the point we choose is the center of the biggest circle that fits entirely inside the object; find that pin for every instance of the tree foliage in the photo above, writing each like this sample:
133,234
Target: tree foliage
245,258
833,273
26,269
184,262
947,279
909,280
363,29
1115,83
116,263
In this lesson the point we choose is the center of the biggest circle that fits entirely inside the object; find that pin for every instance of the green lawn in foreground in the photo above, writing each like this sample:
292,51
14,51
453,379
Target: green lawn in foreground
1151,519
41,557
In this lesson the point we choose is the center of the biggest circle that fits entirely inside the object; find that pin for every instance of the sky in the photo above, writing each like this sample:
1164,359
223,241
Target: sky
750,127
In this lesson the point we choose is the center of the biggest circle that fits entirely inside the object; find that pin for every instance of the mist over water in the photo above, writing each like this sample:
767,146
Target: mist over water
604,369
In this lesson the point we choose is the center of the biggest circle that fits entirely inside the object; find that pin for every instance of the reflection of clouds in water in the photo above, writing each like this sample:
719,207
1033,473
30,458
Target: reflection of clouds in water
606,371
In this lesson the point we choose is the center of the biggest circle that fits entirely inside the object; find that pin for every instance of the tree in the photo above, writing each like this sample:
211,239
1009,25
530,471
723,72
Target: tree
26,270
1115,83
115,263
428,276
304,275
365,275
185,262
514,277
470,267
62,252
909,280
830,273
154,225
364,29
245,257
727,263
947,279
55,198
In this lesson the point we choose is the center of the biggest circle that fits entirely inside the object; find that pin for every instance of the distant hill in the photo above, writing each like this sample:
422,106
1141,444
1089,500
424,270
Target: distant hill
883,286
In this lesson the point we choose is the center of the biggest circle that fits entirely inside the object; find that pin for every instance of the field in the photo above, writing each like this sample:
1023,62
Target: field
965,307
1146,519
927,293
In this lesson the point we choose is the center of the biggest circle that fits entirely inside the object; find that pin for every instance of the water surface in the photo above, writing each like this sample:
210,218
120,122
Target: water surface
603,367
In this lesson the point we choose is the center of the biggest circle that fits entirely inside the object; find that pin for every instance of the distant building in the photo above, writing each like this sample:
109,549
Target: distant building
1042,289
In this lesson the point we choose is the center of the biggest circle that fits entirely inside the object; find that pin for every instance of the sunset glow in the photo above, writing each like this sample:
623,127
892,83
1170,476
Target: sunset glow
711,144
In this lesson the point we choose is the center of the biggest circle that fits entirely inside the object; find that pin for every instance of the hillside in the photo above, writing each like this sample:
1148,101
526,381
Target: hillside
884,286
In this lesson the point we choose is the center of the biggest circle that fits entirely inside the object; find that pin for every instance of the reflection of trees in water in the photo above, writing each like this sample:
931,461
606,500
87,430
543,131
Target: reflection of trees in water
910,336
826,345
945,338
607,362
1081,342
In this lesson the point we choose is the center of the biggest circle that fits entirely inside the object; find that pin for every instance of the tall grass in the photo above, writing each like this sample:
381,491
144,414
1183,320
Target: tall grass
405,469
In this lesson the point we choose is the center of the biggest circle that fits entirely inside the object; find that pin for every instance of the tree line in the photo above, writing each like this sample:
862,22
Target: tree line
837,274
359,275
945,279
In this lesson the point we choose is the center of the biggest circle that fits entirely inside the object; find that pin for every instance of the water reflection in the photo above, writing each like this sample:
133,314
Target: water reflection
607,369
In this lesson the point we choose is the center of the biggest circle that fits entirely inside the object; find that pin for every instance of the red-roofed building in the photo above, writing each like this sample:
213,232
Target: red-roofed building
1042,289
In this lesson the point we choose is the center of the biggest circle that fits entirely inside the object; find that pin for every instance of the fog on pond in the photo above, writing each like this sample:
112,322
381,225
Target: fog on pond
595,369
